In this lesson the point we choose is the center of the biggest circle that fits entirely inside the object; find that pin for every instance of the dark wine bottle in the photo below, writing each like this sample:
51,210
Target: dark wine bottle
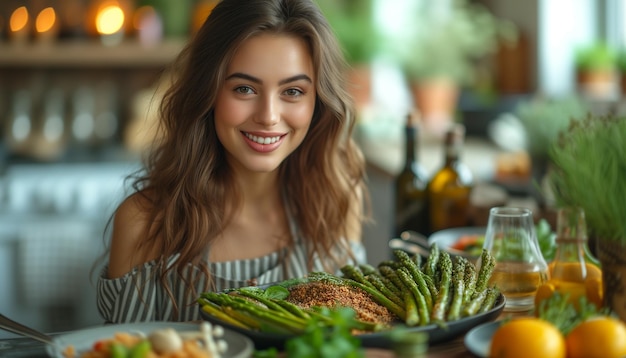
450,187
411,210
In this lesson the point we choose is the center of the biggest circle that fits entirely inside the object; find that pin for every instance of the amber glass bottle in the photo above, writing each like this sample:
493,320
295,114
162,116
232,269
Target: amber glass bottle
411,211
573,272
450,187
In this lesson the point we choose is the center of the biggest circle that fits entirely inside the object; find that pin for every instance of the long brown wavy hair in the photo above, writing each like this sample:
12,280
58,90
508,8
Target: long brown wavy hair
187,179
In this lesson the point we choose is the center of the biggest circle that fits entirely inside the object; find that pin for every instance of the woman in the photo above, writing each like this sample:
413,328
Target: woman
255,178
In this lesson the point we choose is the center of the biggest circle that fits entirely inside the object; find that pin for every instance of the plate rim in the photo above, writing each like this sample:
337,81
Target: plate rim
62,340
373,339
481,351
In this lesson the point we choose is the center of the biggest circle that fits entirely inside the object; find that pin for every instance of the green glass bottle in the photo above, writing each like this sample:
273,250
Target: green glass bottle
411,209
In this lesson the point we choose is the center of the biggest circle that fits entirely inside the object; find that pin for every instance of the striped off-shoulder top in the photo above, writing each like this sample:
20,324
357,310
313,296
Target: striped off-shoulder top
139,296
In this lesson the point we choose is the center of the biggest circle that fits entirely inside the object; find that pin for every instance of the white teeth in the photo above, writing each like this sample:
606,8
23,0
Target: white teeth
262,140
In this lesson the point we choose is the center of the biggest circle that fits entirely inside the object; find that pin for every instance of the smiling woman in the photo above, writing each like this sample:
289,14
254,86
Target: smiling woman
268,100
255,178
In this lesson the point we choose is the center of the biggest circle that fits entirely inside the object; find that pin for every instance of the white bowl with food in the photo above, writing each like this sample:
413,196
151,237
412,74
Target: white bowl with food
460,241
161,338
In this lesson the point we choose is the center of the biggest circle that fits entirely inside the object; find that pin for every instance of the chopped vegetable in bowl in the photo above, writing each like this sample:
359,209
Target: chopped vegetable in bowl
471,244
167,342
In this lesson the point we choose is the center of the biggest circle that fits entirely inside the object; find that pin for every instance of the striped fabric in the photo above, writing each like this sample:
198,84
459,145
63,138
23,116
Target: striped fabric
120,300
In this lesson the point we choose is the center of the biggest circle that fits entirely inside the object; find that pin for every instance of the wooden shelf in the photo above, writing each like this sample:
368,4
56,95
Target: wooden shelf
88,54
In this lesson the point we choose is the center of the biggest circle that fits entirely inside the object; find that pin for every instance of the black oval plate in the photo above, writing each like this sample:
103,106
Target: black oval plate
436,334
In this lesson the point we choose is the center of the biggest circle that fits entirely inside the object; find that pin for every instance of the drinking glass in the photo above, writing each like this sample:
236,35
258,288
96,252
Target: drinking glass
519,265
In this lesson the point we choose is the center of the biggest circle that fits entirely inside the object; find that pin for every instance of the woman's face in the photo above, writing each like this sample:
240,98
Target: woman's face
265,106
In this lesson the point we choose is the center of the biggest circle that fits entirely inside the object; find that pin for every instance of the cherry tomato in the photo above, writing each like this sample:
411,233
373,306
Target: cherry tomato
98,346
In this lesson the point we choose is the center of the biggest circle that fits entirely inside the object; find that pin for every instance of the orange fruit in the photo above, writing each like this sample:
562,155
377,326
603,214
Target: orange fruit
603,337
527,337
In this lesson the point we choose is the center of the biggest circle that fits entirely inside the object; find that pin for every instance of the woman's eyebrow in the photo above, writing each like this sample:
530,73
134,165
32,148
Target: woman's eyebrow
296,78
245,77
259,81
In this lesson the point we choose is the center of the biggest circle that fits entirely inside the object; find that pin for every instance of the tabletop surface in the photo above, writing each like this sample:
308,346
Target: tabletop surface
26,347
455,348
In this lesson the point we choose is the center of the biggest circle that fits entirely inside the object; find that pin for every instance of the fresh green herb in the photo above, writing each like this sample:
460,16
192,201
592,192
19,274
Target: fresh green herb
562,313
323,340
406,343
546,238
276,292
589,164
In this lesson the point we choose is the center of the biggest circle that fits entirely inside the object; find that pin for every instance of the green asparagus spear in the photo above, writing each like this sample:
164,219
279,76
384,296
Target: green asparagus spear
470,282
390,263
416,274
458,284
367,269
216,312
417,260
411,286
390,285
279,320
430,267
474,305
256,294
354,273
242,317
490,299
378,283
410,305
390,274
441,303
487,263
431,286
293,309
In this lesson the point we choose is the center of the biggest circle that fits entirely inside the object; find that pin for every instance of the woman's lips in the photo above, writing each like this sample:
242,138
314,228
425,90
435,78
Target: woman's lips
263,143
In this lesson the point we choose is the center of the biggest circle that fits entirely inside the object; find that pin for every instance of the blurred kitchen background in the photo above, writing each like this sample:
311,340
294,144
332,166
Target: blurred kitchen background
80,79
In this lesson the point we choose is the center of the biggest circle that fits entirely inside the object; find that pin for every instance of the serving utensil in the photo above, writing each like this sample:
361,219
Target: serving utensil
412,242
10,325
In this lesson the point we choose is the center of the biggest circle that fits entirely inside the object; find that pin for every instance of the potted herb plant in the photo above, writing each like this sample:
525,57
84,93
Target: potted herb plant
596,70
439,50
589,164
352,21
621,68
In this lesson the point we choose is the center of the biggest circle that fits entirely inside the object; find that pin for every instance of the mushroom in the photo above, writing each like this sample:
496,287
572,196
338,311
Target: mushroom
165,341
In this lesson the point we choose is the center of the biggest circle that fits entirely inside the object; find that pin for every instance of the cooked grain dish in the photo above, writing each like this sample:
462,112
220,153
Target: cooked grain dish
328,295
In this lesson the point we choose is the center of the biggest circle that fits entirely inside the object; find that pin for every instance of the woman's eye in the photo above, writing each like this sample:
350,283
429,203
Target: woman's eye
294,92
244,90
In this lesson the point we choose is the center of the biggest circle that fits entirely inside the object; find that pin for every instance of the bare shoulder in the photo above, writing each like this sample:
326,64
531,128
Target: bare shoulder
130,225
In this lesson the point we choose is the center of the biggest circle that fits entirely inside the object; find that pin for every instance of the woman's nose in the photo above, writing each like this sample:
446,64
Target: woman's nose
269,111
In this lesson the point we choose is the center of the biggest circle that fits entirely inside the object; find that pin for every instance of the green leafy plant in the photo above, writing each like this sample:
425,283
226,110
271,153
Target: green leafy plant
557,310
323,340
621,61
597,56
544,119
354,27
589,165
445,40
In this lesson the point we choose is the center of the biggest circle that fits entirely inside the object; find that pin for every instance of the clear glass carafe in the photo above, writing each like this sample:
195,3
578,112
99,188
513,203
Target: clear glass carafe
519,265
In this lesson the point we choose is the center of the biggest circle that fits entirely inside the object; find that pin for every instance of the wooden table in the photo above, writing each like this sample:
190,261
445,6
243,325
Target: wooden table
26,347
455,348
